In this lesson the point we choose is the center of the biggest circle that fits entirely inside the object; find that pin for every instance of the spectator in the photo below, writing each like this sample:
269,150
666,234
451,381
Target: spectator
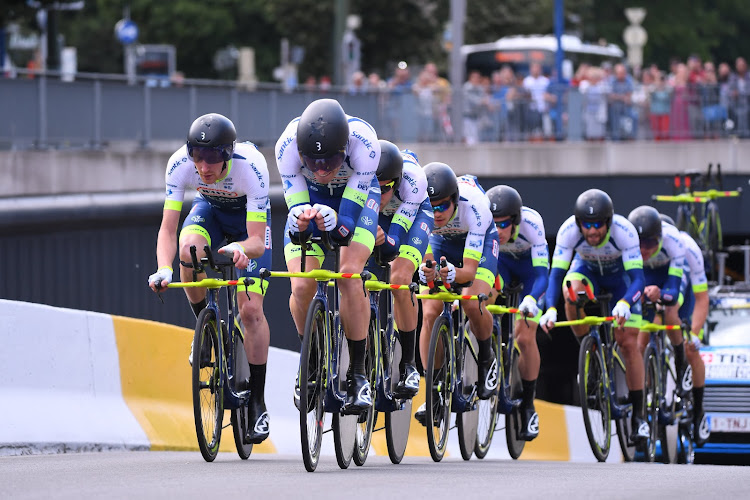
424,90
660,103
518,104
641,104
442,91
486,121
358,83
678,116
401,81
594,105
538,117
622,120
739,88
475,99
502,85
714,114
311,83
696,78
374,82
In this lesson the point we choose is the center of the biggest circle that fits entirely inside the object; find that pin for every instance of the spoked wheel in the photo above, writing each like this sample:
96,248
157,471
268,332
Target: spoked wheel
311,390
208,393
397,422
513,422
366,421
685,450
651,402
623,424
240,417
467,421
594,398
487,408
344,426
668,431
439,389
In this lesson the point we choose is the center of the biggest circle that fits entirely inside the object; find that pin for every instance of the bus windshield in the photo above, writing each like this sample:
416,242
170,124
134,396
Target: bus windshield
519,52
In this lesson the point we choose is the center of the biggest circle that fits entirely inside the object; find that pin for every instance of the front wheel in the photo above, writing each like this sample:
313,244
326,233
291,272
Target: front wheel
397,422
624,424
439,389
366,420
467,353
239,416
344,427
651,401
487,408
208,392
311,389
513,422
594,397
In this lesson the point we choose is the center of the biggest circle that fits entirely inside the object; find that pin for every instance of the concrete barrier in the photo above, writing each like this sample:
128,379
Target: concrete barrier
82,381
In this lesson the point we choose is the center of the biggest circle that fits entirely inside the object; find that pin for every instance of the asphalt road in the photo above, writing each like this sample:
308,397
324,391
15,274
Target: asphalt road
146,475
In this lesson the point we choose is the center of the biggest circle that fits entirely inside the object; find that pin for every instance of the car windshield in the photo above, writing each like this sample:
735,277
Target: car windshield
729,321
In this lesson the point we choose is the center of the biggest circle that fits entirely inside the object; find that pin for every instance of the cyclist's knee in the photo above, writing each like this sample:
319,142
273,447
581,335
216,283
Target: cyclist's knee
402,274
303,289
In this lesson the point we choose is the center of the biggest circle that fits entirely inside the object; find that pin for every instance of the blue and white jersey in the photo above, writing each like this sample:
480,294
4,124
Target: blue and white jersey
411,193
671,252
530,241
694,265
243,187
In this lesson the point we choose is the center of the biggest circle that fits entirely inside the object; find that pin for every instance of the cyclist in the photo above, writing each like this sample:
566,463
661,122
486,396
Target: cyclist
466,237
524,257
663,259
404,227
694,310
231,203
327,161
608,256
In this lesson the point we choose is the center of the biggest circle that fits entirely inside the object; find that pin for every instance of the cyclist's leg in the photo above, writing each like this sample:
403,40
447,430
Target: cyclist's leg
303,289
695,307
199,229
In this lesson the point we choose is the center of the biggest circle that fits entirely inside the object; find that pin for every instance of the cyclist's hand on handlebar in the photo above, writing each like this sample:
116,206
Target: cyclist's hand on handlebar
299,218
426,274
548,319
162,277
325,217
448,272
528,306
652,293
380,238
621,311
237,252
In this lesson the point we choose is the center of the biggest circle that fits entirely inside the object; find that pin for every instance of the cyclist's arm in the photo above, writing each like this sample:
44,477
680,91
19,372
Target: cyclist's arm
468,272
632,260
539,252
166,242
255,244
637,281
672,243
700,313
364,156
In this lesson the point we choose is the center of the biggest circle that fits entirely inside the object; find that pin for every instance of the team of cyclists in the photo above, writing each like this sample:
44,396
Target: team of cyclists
380,205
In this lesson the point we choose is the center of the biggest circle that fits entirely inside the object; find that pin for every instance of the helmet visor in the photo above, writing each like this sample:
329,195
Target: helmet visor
206,154
324,164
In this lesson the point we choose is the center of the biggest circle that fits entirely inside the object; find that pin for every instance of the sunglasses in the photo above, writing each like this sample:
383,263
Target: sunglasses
387,187
324,164
504,223
598,224
206,154
442,207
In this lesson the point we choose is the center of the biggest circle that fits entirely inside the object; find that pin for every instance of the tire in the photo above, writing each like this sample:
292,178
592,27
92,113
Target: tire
651,401
487,409
467,353
366,421
668,431
344,426
685,449
623,425
239,416
397,422
594,398
439,389
311,390
513,421
208,392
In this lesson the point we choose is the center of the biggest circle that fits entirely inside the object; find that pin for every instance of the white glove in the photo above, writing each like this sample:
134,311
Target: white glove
229,250
621,310
528,306
422,277
549,317
329,216
163,275
695,340
451,272
294,213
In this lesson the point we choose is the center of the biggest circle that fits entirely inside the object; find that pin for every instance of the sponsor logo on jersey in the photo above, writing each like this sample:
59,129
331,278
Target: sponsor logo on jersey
367,221
176,164
416,241
268,238
284,144
197,219
372,204
364,141
217,192
495,248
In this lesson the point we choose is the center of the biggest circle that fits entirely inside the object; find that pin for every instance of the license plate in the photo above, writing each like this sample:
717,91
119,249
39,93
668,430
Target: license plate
729,424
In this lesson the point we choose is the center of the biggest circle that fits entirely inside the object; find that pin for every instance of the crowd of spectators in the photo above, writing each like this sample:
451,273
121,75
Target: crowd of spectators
691,100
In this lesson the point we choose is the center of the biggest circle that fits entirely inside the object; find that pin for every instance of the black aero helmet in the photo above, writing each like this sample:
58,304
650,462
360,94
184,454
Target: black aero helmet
669,220
505,202
441,182
214,136
647,222
594,205
322,133
391,163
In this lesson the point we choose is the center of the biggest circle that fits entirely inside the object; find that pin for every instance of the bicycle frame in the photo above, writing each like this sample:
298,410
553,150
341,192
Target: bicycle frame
505,404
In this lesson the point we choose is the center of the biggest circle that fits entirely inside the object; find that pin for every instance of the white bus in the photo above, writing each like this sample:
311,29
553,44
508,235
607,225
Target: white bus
520,51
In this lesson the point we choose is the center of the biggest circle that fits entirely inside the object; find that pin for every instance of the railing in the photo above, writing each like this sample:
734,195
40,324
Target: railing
44,111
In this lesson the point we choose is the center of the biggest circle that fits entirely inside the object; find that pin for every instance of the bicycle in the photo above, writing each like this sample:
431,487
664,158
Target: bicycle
384,356
323,362
451,374
510,389
220,375
601,377
703,226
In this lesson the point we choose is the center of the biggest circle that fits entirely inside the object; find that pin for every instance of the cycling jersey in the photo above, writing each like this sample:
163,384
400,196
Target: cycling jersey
352,181
694,278
664,267
619,253
243,187
472,228
527,256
